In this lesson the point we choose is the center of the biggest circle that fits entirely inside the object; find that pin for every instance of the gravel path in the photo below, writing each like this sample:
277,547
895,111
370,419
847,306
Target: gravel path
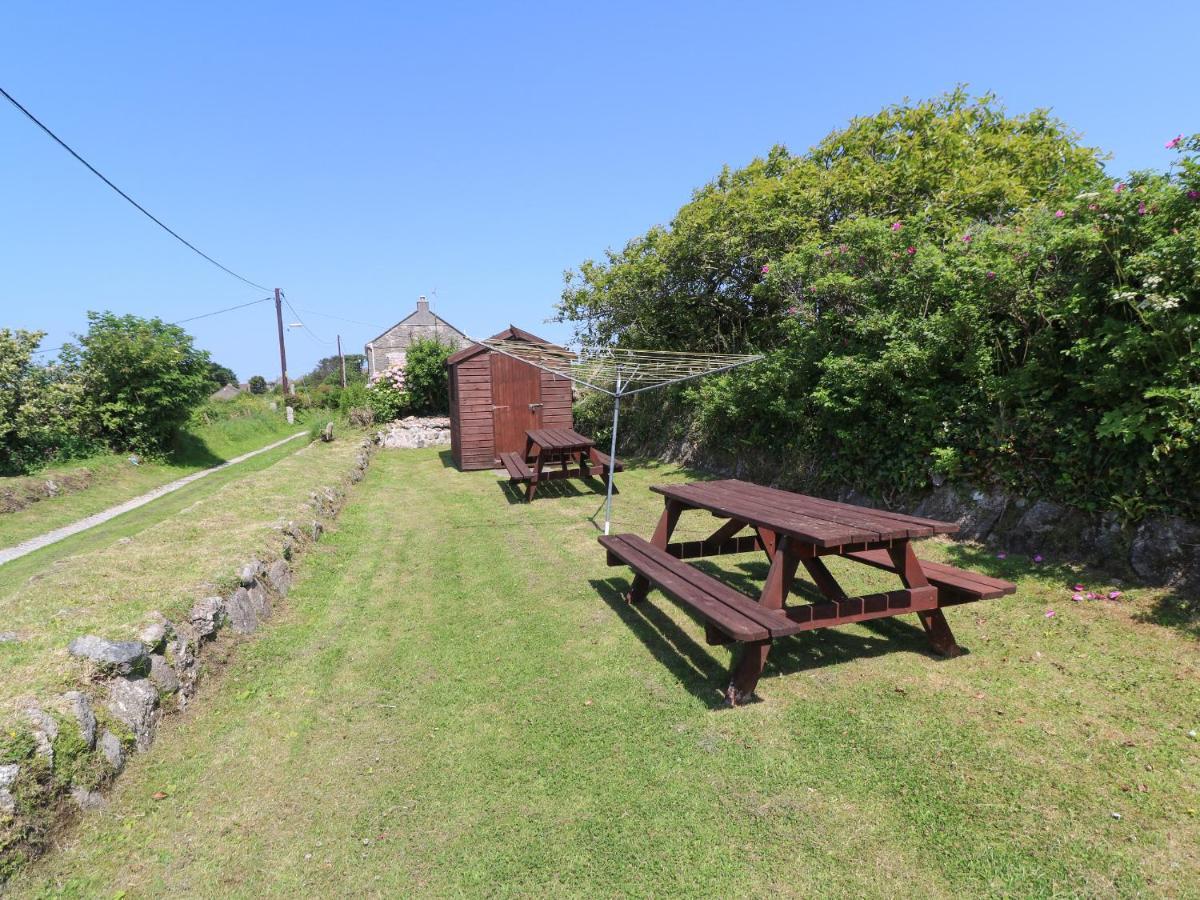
52,537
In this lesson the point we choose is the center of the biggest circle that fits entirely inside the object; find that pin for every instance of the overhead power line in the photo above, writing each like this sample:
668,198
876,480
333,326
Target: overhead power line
313,312
215,312
303,325
133,202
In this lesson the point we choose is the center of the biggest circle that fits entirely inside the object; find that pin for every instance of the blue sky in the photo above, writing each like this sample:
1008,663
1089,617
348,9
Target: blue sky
360,154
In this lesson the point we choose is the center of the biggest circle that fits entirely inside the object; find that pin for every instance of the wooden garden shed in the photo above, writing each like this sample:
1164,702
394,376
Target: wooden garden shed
494,398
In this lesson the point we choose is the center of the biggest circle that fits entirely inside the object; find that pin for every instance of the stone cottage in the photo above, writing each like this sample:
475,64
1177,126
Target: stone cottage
391,347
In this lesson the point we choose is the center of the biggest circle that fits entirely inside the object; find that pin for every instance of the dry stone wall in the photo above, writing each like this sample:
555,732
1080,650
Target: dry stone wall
77,743
416,432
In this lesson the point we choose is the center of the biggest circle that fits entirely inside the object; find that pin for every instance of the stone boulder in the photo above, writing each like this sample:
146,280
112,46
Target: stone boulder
1167,551
134,703
112,657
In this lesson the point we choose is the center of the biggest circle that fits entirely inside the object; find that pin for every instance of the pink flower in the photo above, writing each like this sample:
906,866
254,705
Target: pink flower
1193,195
991,276
792,310
1142,208
967,238
1113,595
1119,187
1058,214
1037,558
1001,555
1092,595
910,250
1077,597
1175,142
842,248
765,269
896,226
1093,206
1049,614
1079,587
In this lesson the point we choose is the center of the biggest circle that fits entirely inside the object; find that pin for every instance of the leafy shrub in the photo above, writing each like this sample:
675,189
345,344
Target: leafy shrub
258,384
940,290
426,378
41,407
141,378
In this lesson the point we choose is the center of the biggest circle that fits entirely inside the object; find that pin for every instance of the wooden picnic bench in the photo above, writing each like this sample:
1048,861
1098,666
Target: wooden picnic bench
793,530
564,447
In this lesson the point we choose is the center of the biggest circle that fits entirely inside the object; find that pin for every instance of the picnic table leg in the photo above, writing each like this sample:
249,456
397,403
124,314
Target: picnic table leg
908,567
539,463
662,534
746,673
749,668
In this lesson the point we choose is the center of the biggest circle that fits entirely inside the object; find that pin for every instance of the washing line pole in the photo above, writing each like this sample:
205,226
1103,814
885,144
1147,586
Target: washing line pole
612,453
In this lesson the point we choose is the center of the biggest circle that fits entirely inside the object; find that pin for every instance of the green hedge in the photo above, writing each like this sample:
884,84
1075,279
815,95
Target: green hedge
942,290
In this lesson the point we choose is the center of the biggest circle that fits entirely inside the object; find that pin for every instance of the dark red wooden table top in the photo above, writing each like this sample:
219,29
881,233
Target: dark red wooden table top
558,439
822,523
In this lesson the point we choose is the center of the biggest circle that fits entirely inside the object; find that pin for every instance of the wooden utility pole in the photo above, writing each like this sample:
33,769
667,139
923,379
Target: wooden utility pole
282,351
342,360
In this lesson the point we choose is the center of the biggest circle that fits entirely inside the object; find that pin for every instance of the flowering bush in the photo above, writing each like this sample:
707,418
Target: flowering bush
942,291
386,395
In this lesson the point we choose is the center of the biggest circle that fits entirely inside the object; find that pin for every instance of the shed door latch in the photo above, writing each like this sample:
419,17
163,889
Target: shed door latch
535,406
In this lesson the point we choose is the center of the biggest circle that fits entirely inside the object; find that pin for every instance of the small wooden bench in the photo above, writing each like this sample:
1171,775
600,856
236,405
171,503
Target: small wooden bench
518,469
738,617
954,585
603,460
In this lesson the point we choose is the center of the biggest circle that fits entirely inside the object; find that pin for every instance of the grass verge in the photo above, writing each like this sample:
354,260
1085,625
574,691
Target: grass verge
160,558
218,432
456,701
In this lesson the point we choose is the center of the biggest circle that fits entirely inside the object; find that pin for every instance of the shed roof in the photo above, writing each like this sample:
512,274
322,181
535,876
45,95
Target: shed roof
511,333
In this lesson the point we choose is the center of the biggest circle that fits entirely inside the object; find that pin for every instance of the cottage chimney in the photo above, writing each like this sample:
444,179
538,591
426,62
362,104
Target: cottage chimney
422,304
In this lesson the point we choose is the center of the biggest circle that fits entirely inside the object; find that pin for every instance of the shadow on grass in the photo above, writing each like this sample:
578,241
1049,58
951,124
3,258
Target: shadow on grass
189,449
515,493
705,678
1176,610
447,458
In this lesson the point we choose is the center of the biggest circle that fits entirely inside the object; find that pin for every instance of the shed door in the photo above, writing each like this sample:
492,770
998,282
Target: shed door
516,402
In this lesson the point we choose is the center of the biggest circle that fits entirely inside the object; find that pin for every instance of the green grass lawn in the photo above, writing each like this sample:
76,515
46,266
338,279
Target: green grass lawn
454,700
161,557
219,432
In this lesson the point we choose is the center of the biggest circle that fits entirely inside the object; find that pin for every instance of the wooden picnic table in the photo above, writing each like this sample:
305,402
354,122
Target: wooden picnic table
793,530
546,447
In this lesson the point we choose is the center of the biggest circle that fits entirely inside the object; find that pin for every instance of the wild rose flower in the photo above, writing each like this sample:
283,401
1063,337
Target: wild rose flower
1142,208
765,269
896,226
1119,188
967,238
991,276
1193,195
910,250
1175,142
1058,213
1093,206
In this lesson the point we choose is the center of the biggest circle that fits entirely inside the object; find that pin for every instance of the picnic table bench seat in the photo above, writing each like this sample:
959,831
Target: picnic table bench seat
603,460
954,585
734,614
518,469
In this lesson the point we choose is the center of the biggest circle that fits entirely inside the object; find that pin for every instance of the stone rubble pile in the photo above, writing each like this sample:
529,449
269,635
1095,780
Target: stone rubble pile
413,433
